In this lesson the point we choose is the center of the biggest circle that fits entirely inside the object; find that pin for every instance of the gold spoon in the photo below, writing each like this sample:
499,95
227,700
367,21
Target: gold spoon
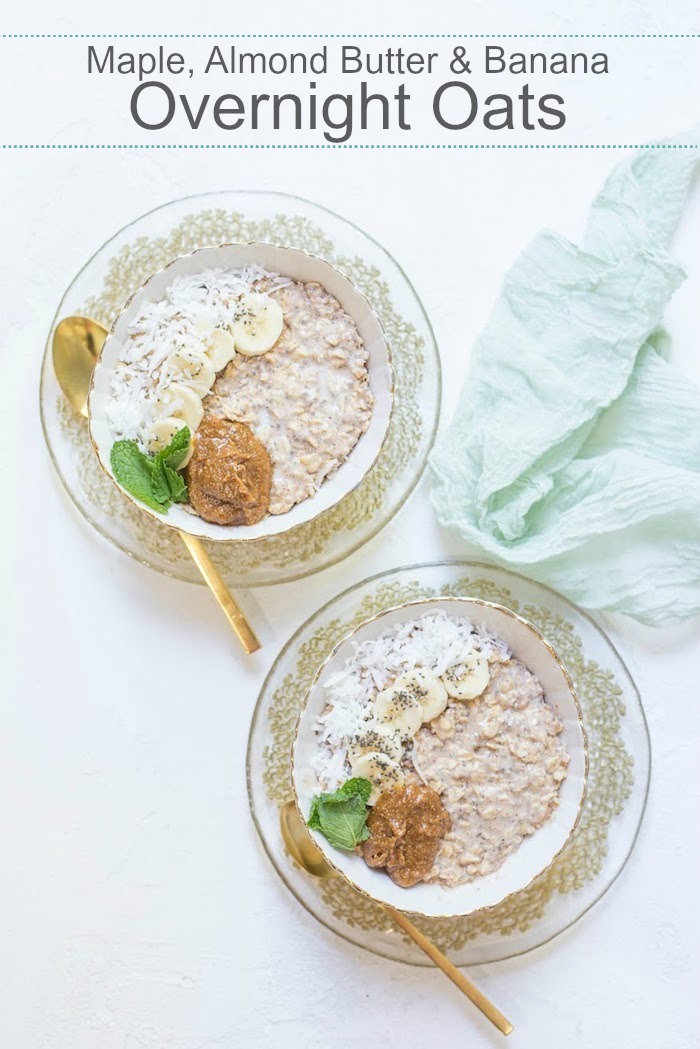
304,851
77,343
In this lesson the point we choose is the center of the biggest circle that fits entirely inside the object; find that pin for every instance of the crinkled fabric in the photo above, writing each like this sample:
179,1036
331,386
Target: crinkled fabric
574,455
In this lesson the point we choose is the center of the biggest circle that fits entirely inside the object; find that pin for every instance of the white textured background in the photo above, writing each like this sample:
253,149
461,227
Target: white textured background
137,909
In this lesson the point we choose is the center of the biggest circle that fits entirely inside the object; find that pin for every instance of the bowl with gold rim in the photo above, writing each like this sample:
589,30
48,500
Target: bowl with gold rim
464,721
281,371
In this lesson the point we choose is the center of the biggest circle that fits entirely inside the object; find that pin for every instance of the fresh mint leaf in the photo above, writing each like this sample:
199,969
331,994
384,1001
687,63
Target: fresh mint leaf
343,824
178,488
357,787
153,480
134,471
159,484
173,456
342,816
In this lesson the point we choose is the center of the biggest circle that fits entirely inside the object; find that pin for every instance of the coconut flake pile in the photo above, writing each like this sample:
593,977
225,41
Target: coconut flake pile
436,642
192,306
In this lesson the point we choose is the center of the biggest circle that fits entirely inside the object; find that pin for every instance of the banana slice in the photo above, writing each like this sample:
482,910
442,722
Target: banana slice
191,367
380,770
257,325
469,678
400,709
428,690
183,403
220,348
161,434
376,737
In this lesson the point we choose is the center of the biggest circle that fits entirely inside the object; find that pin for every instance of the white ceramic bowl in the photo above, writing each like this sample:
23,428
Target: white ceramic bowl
299,265
538,850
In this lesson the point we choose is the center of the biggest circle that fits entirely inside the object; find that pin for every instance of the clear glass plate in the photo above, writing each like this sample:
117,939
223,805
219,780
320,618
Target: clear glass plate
123,263
617,785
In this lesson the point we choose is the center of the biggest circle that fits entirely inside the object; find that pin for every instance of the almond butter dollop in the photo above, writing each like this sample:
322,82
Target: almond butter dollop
406,827
229,474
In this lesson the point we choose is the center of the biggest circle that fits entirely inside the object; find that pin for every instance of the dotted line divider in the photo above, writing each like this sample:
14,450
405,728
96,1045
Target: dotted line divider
355,145
348,36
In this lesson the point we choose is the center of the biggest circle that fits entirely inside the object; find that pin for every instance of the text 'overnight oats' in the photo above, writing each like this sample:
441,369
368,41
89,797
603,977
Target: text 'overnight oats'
238,393
437,753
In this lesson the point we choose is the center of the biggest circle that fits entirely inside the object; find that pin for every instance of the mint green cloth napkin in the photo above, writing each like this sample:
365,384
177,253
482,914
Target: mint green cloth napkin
574,455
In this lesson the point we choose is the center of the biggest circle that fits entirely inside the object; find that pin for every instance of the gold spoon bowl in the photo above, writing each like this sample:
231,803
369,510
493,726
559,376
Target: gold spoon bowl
77,342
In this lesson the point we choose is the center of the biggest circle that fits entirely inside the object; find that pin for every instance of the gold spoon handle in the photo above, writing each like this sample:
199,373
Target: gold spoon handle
456,975
221,592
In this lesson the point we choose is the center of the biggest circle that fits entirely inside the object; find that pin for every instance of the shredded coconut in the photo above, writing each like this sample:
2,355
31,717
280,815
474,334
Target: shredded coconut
436,642
189,310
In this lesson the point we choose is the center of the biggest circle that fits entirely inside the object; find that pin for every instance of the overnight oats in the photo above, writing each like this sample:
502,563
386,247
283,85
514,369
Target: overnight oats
437,753
238,393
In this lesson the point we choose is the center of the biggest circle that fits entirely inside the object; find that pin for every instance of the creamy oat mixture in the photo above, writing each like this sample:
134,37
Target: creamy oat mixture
497,763
308,399
496,760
